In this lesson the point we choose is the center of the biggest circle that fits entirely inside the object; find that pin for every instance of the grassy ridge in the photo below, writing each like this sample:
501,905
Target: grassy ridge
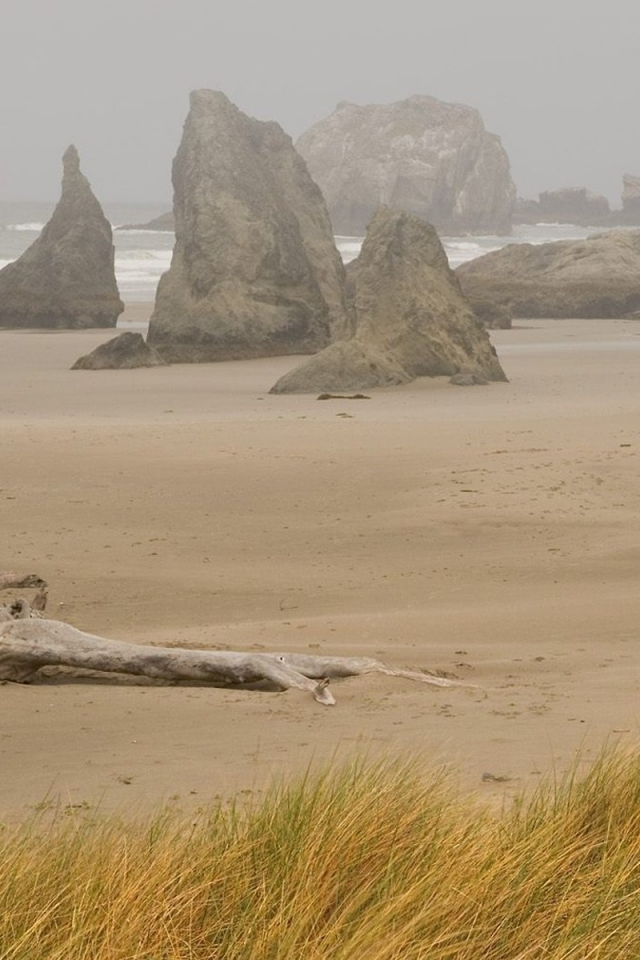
360,863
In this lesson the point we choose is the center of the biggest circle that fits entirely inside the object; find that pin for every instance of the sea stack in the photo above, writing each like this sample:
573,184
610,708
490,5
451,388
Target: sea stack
255,270
630,200
432,159
412,319
598,277
66,278
575,205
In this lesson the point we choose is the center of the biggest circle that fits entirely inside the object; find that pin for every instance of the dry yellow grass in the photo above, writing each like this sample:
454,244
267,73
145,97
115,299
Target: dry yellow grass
363,861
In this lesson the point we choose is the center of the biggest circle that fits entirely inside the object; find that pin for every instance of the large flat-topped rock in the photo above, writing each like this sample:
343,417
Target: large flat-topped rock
591,278
411,318
66,278
431,159
255,270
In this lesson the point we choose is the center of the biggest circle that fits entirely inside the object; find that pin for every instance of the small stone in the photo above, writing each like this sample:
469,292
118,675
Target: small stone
123,352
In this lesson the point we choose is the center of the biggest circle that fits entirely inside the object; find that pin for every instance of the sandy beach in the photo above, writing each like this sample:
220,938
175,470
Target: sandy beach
492,533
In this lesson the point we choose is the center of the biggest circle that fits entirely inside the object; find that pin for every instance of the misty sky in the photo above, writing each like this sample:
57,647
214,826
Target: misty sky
558,83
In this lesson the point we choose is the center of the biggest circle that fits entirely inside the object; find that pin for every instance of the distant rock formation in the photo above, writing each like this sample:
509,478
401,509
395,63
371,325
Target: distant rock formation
255,270
579,206
431,159
411,318
66,278
630,200
165,223
124,352
526,211
574,205
592,278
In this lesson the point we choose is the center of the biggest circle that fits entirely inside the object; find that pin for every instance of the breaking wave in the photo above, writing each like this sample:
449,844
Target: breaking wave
461,251
349,247
138,271
26,227
144,233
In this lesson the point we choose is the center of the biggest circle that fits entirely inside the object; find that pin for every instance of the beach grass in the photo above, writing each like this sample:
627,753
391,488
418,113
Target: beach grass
369,861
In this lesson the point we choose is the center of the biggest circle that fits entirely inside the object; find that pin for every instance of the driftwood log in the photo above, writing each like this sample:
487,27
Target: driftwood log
29,642
24,581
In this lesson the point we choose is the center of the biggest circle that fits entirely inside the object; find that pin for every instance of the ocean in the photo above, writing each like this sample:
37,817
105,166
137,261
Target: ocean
142,256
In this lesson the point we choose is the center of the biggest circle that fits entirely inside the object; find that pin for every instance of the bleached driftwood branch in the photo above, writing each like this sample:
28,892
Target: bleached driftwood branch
25,581
19,608
28,643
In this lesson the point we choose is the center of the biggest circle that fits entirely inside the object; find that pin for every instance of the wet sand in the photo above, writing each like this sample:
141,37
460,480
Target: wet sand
490,532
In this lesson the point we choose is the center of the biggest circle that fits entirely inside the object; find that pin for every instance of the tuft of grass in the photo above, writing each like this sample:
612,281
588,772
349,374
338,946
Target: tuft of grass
361,861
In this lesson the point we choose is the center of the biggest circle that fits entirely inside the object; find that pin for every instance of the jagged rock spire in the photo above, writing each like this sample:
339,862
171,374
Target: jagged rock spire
412,319
66,278
255,270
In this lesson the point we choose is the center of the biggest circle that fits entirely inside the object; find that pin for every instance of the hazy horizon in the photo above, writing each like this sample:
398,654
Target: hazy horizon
557,85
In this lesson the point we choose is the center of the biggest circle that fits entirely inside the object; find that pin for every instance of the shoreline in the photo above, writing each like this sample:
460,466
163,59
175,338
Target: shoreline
488,532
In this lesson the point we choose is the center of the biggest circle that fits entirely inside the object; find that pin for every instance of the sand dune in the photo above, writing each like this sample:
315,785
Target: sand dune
489,532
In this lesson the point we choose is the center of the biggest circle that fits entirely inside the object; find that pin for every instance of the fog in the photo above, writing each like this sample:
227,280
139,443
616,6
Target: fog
556,82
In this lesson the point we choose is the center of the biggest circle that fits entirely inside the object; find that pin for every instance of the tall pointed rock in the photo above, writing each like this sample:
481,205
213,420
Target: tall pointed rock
411,318
255,270
66,278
